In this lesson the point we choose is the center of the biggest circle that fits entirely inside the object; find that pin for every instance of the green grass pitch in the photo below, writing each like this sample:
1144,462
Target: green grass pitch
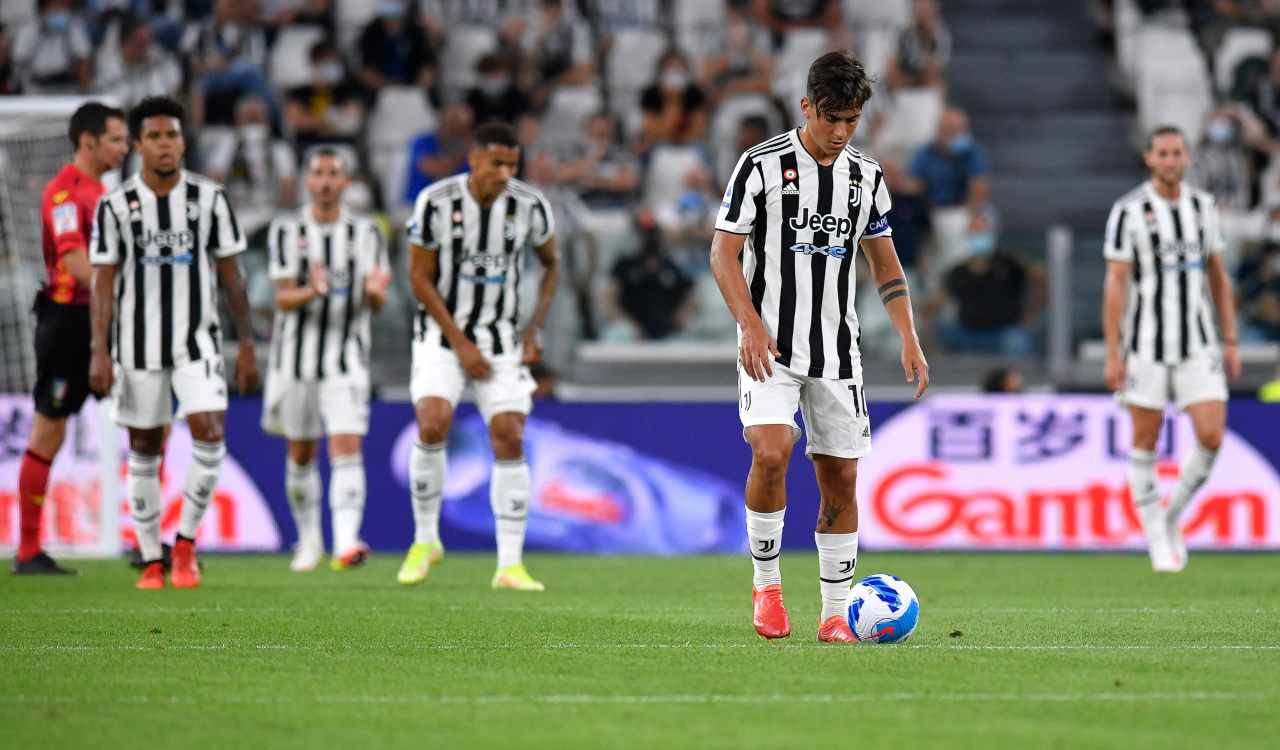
1012,651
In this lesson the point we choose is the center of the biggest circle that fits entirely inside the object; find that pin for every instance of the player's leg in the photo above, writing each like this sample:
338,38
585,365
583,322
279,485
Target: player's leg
767,412
201,390
1146,392
505,399
346,500
142,402
302,488
435,385
33,482
344,406
839,429
1200,389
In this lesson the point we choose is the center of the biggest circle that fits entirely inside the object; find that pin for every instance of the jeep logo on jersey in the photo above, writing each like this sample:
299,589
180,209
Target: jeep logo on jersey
167,238
822,223
488,261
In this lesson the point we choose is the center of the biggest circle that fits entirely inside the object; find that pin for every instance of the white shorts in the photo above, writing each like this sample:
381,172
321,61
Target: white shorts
438,373
1152,385
311,409
144,398
835,411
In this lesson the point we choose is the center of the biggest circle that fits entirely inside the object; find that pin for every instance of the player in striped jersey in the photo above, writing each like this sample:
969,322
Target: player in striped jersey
1164,258
330,271
158,240
796,208
467,235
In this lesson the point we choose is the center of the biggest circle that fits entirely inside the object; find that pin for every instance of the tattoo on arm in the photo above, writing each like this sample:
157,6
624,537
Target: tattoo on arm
892,290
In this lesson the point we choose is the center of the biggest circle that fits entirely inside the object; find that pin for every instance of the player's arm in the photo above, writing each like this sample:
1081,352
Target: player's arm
1115,295
757,349
379,276
226,247
423,265
1118,251
1225,302
531,341
891,284
106,257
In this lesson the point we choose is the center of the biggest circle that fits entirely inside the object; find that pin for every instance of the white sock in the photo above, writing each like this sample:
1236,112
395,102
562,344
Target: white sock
346,500
302,488
427,468
202,478
764,533
143,486
1146,501
837,558
509,497
1195,470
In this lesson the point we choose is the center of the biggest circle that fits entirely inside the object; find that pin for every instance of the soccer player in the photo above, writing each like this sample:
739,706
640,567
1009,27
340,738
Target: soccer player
1164,251
158,240
330,271
100,142
796,208
467,236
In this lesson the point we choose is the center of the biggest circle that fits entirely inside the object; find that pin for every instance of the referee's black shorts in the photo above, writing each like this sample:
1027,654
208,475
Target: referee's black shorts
62,357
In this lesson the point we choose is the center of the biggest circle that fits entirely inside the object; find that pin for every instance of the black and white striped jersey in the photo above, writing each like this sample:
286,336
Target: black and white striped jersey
481,255
329,336
803,222
165,251
1169,316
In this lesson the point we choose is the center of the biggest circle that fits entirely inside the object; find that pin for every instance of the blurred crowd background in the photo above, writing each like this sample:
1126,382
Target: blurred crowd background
994,120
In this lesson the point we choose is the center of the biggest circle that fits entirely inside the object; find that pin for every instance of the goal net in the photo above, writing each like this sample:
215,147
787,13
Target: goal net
82,512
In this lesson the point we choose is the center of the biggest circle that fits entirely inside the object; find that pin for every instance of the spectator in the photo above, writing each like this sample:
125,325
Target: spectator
51,52
141,68
278,14
782,16
923,49
605,173
228,53
434,156
995,295
649,289
1220,165
561,49
674,106
328,110
951,175
8,78
394,49
1003,380
741,63
495,95
257,168
1258,278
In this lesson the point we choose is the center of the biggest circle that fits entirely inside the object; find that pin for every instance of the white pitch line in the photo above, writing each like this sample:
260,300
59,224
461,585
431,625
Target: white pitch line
241,646
409,610
646,699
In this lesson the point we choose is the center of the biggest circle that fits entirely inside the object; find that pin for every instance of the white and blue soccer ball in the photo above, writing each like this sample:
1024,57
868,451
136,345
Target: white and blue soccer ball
883,609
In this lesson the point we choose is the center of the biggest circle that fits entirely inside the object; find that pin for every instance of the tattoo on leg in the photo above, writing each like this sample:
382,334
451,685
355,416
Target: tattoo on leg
830,513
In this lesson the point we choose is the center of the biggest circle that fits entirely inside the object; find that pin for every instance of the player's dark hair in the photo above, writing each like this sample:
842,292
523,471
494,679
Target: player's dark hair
1164,130
91,118
495,134
322,46
130,23
153,106
325,152
837,83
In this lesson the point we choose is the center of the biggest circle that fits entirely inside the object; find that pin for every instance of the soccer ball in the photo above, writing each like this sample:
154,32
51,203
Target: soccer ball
883,609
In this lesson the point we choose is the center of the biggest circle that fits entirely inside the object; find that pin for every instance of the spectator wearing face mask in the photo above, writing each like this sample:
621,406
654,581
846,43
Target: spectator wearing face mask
441,152
257,167
394,49
328,110
924,48
495,95
140,69
51,53
951,174
674,106
651,296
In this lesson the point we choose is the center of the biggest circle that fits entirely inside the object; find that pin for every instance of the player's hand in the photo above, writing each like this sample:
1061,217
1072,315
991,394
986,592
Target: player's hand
757,351
1231,360
318,279
100,374
376,283
472,360
246,369
532,345
915,367
1114,372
